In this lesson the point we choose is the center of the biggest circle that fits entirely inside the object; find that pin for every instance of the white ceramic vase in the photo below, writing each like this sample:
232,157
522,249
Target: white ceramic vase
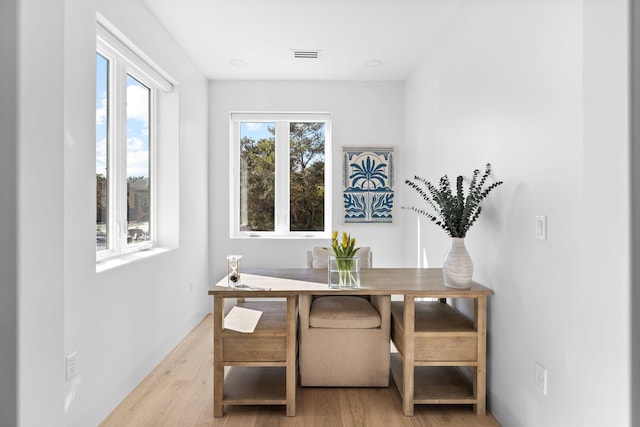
457,267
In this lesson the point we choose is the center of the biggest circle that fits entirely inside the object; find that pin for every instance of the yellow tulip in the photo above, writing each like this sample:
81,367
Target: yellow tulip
342,244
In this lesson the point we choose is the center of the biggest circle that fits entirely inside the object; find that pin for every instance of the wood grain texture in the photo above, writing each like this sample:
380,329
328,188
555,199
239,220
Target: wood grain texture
178,393
419,282
433,338
263,362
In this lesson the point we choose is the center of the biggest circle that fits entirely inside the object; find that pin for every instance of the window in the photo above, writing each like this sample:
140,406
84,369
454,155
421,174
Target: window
281,181
127,92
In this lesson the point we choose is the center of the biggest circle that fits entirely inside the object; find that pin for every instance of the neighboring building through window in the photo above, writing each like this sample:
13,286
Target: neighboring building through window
280,183
127,91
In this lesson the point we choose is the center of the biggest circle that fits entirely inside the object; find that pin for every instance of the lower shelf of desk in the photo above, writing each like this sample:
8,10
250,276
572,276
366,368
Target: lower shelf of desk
262,364
435,384
255,386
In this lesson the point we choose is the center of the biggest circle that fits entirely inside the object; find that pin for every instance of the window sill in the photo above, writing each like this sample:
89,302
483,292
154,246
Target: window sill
326,235
123,260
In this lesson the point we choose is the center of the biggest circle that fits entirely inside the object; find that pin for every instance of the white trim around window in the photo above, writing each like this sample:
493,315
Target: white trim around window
124,67
282,216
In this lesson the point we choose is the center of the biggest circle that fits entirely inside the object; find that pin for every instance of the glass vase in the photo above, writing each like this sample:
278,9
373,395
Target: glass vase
344,272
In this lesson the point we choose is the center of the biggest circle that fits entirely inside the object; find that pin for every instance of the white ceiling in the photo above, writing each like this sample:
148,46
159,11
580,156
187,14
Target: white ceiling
260,34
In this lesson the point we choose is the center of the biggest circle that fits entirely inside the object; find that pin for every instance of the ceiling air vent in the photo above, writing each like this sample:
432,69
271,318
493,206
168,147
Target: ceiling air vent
306,53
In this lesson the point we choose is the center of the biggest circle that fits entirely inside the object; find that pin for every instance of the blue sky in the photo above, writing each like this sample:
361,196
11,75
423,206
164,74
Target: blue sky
137,123
256,131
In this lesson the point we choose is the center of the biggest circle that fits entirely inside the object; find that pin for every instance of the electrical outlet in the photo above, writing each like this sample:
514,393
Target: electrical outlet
71,365
540,380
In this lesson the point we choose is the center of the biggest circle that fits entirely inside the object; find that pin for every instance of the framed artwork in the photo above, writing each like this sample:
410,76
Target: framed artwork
367,184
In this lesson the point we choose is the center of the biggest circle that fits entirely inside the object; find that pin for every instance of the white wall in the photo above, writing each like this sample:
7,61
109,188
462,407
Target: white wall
40,225
539,90
605,327
363,114
122,321
635,208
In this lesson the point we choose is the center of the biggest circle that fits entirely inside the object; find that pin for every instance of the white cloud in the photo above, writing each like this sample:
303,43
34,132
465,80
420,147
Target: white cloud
137,157
254,126
137,106
138,103
135,144
101,156
101,112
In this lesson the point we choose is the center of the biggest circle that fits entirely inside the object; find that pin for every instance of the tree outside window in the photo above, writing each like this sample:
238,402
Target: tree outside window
281,185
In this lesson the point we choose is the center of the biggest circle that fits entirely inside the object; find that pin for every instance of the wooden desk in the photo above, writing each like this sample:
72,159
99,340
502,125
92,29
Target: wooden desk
418,327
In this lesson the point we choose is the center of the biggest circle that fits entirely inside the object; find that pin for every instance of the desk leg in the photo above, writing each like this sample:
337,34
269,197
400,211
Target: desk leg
480,383
292,319
407,360
218,366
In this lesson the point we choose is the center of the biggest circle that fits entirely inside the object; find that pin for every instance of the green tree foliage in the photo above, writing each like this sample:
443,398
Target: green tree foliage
307,176
257,176
101,198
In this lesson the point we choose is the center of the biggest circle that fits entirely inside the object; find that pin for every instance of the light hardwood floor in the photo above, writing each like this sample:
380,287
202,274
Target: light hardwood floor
179,393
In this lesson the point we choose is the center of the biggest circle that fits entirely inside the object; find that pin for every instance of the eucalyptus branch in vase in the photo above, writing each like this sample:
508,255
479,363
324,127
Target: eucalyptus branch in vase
455,213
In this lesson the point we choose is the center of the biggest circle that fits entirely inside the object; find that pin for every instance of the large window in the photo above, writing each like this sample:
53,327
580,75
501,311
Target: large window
127,91
281,180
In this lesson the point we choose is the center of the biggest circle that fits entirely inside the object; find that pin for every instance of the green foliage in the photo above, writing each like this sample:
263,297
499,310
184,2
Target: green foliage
132,179
306,178
257,172
454,213
101,198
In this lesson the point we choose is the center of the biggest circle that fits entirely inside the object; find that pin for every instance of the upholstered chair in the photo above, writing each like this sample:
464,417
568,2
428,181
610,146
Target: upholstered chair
343,339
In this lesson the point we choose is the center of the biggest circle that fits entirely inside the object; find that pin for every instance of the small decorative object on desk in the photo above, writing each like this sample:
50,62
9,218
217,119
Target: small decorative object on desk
233,270
344,265
455,214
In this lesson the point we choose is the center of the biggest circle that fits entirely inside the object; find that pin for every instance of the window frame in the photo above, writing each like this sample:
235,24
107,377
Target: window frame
282,208
125,60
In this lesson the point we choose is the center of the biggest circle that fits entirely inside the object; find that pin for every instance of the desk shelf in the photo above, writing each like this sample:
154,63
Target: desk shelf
262,364
435,384
442,351
255,386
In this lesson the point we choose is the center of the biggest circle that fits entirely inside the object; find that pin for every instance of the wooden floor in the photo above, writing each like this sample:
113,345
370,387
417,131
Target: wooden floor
179,392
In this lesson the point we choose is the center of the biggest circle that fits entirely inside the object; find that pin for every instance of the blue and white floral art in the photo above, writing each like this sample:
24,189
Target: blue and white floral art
367,184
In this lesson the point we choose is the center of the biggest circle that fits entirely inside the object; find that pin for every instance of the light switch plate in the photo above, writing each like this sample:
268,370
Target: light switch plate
541,379
541,227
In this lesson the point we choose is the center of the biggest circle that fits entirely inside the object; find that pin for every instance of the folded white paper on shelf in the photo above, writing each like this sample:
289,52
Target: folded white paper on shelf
242,319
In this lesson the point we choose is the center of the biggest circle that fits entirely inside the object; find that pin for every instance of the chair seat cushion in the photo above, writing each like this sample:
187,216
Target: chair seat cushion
343,312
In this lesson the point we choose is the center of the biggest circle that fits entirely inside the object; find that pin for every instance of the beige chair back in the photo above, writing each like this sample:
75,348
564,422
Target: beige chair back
319,258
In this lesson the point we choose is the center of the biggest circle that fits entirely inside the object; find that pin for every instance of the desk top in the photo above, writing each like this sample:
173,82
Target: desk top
282,282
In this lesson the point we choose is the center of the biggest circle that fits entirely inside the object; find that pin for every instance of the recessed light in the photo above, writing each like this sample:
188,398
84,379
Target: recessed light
238,63
372,63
